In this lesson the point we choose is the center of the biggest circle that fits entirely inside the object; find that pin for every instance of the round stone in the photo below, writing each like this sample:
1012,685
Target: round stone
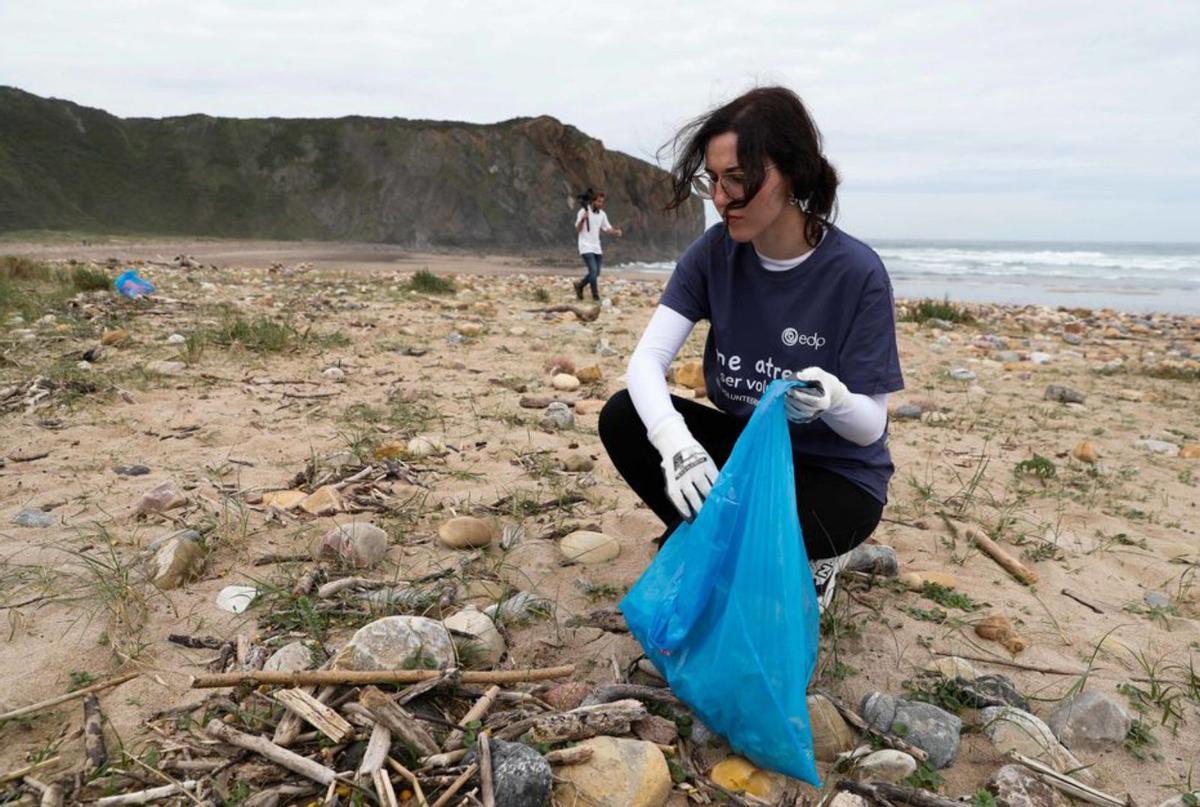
585,546
426,445
565,382
476,639
466,532
360,544
294,657
399,643
578,463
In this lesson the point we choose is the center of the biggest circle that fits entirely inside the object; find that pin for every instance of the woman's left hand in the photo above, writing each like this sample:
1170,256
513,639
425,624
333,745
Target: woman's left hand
825,392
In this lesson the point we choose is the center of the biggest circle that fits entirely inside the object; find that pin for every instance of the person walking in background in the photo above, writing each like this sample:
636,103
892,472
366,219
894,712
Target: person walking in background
589,223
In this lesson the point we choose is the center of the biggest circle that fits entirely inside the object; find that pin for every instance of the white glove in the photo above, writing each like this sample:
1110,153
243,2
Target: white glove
690,472
825,392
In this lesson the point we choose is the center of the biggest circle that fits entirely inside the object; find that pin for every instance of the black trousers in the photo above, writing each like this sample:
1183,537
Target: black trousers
836,515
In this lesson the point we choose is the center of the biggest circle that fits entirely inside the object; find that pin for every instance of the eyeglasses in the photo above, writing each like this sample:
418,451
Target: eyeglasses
734,184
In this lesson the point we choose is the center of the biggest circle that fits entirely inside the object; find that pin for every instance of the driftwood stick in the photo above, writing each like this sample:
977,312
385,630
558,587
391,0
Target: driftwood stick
587,721
70,696
280,756
146,796
476,712
53,796
483,748
357,583
1002,556
377,750
412,780
854,719
882,792
450,677
315,713
289,726
21,773
273,796
93,735
616,692
1067,784
1014,664
306,582
1085,603
451,791
443,760
569,756
360,677
399,722
383,788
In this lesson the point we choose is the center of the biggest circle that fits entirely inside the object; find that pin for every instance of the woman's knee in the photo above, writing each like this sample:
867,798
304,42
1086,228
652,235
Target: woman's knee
615,417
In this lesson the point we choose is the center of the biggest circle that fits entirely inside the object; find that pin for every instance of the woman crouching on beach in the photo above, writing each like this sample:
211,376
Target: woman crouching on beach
787,294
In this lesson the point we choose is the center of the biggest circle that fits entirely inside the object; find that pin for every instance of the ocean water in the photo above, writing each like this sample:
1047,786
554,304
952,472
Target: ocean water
1127,277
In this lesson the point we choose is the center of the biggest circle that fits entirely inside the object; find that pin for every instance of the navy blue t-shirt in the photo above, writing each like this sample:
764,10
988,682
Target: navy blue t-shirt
834,311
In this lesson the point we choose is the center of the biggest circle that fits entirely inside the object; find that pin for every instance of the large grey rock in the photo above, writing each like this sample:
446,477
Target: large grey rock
990,690
1061,394
175,561
398,643
620,773
521,777
1011,729
1015,786
929,728
1090,720
908,411
874,559
558,417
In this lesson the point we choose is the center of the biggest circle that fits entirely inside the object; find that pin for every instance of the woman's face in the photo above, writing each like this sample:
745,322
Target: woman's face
764,210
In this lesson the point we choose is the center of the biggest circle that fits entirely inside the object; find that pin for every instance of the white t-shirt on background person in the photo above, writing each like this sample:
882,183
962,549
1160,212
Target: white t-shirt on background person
589,237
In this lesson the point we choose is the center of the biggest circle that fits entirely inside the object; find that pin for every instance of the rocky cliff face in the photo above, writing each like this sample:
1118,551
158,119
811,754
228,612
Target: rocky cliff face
506,186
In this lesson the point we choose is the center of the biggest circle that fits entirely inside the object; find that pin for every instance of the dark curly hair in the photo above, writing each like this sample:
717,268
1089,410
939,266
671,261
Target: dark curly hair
772,126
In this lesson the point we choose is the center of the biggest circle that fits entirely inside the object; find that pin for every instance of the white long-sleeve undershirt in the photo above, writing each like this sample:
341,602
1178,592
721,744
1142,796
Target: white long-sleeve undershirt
860,418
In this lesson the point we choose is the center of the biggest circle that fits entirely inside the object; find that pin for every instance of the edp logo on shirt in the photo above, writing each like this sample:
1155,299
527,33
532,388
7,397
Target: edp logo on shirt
791,338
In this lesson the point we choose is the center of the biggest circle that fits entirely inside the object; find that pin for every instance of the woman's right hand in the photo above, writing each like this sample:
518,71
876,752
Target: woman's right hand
689,470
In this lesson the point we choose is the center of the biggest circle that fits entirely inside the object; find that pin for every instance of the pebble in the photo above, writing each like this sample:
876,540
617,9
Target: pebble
590,374
741,776
426,445
952,667
875,559
886,765
236,599
934,418
359,544
585,546
578,463
998,628
466,532
131,470
398,643
1161,447
1006,356
1090,720
33,519
1061,394
831,733
1016,786
166,496
962,374
176,339
1072,339
655,729
335,374
1038,357
294,657
558,417
1156,599
283,499
1011,729
915,581
470,329
162,367
565,697
620,773
933,730
476,639
565,382
521,777
604,348
114,338
323,501
589,407
690,374
1084,451
175,561
1189,451
907,411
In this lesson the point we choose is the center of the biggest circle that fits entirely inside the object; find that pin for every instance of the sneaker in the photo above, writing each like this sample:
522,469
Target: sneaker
824,572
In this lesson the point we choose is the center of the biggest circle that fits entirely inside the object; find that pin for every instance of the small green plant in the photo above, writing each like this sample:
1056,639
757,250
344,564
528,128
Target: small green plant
79,679
924,777
427,282
983,798
948,598
928,309
1038,466
1139,739
936,689
85,278
541,295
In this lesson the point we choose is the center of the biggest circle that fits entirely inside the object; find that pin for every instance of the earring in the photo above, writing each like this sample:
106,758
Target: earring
793,201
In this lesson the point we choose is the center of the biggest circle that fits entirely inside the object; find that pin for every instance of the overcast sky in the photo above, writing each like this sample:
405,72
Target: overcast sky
1017,120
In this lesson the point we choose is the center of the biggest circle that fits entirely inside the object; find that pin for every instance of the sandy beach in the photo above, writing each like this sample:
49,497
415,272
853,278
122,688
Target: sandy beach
1071,438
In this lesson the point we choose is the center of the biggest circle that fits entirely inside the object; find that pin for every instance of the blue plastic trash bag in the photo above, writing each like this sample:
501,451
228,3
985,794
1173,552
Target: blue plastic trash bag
727,611
131,285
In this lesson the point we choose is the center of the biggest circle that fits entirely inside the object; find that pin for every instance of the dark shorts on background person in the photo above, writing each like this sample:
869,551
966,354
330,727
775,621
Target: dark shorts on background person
836,514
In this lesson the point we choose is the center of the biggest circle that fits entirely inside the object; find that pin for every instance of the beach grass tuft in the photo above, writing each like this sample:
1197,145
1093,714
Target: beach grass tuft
925,310
427,282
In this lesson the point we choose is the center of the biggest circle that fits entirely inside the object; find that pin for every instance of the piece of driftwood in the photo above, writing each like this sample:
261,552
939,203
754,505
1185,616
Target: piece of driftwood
569,756
585,314
890,740
383,788
483,748
452,791
53,796
280,794
616,692
448,758
21,773
362,677
70,696
400,723
476,712
289,726
411,778
450,677
377,750
334,587
1067,784
93,735
265,748
884,793
587,721
1003,557
307,582
196,642
145,796
315,713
